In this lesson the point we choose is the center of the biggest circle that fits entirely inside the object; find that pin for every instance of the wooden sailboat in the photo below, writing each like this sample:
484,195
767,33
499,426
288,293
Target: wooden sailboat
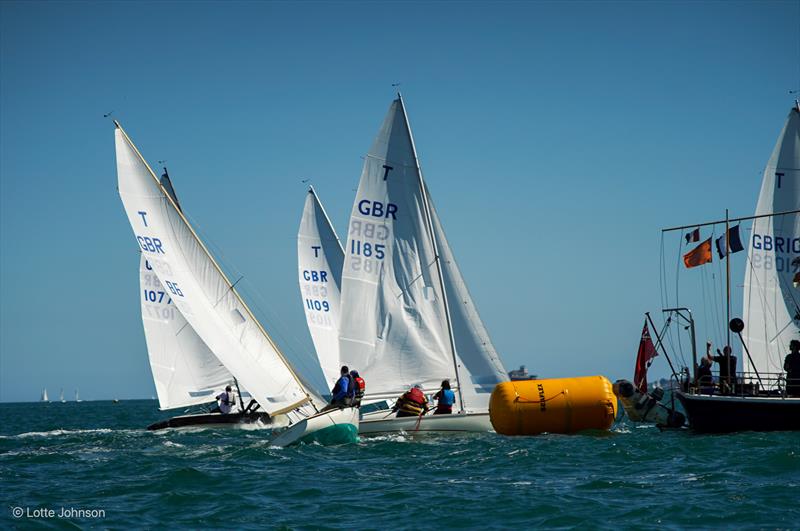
757,398
211,305
406,315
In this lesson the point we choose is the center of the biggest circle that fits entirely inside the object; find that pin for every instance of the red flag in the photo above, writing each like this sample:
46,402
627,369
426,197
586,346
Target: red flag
699,255
647,351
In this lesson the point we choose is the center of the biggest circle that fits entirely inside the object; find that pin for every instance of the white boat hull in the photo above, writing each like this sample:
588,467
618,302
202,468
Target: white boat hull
386,422
337,426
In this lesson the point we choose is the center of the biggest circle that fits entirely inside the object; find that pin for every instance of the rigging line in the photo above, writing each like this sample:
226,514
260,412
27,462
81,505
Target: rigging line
677,292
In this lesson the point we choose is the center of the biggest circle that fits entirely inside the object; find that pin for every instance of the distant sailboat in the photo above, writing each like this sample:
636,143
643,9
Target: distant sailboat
44,395
212,306
61,396
77,396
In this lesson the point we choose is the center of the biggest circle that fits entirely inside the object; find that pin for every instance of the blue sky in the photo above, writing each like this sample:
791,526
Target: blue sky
556,139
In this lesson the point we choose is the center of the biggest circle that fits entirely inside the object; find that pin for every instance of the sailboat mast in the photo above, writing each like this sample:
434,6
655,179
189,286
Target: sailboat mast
174,204
429,223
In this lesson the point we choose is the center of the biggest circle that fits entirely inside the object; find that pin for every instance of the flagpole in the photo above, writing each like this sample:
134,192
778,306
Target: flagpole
728,296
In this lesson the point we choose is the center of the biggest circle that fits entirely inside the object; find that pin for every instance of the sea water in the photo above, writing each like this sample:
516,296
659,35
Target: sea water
93,465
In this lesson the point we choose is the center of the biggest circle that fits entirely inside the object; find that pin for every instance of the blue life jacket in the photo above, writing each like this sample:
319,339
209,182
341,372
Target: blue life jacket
448,397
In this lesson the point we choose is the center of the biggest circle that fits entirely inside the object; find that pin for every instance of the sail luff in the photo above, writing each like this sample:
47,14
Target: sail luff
209,256
431,235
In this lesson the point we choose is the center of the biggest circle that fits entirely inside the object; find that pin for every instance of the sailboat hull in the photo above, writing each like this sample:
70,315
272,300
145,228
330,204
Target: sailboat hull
338,426
721,414
211,420
386,422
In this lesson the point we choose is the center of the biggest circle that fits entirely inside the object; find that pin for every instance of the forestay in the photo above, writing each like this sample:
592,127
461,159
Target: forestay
319,260
185,371
394,324
771,300
199,289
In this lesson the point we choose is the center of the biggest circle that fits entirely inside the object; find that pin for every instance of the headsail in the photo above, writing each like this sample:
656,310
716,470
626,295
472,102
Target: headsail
395,325
483,369
200,290
771,299
319,260
185,371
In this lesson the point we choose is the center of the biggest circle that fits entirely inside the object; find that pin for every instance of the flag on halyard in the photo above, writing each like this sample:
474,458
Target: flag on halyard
647,351
694,236
734,242
699,255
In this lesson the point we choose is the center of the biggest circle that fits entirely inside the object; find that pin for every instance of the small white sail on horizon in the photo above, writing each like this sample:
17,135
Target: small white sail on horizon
44,395
771,305
319,260
61,396
201,291
399,275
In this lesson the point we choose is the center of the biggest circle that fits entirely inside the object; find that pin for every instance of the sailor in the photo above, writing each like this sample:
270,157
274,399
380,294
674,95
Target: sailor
705,380
225,401
342,392
727,368
445,398
412,403
359,386
792,367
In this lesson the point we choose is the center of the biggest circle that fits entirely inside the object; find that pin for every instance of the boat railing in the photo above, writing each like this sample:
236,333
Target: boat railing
747,384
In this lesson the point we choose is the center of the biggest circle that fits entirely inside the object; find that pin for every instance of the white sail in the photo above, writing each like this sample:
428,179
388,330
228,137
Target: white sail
77,396
482,367
61,396
319,262
771,300
44,395
395,326
199,288
185,371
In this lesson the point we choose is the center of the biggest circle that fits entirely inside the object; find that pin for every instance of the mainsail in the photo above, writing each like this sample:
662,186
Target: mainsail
771,296
396,326
200,290
319,262
185,371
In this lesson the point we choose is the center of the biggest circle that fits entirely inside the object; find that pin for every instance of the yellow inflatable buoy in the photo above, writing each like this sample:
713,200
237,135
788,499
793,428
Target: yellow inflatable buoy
559,405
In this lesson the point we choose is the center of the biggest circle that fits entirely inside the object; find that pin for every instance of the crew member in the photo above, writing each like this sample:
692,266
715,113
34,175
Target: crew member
225,401
445,398
342,392
412,403
359,386
727,368
704,378
792,367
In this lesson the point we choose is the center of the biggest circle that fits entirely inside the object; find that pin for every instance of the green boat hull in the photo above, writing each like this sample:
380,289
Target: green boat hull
337,434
